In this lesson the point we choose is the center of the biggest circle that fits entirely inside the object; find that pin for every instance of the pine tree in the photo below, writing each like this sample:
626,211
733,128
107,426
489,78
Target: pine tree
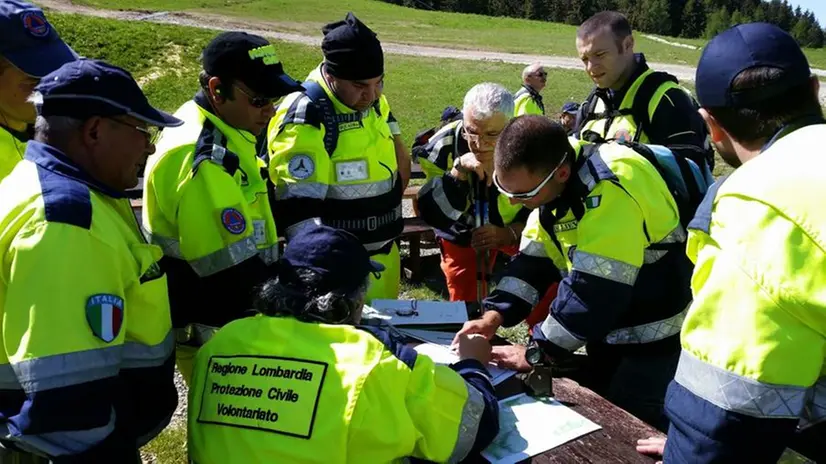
738,18
718,22
694,19
654,17
759,14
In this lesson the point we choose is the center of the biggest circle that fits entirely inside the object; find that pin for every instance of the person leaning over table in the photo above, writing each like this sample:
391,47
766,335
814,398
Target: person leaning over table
86,350
752,374
303,382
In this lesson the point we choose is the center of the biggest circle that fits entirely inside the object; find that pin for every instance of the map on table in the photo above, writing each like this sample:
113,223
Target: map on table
415,312
444,355
529,426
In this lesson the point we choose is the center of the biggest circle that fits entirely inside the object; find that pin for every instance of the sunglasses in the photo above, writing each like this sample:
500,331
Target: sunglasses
542,74
258,102
147,132
535,191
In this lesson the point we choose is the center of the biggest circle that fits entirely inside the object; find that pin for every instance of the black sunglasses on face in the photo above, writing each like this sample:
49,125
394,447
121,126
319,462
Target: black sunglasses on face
258,102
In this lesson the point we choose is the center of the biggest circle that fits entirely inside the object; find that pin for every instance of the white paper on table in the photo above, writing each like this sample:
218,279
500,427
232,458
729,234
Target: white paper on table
443,355
529,426
430,336
429,312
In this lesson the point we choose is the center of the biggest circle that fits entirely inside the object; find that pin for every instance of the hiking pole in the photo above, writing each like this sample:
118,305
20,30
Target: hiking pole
477,222
484,219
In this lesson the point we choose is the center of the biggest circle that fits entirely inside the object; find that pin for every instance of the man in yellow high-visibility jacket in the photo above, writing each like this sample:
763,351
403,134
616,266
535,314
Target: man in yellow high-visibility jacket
332,154
528,100
752,374
207,199
30,48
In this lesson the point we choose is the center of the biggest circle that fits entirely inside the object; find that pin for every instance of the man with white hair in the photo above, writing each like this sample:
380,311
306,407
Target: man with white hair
527,98
458,163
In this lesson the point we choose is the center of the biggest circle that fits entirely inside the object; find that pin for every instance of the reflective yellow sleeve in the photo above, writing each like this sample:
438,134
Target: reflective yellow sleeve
214,225
526,105
759,309
426,412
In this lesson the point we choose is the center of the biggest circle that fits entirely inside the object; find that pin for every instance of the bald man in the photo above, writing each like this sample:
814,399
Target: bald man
528,99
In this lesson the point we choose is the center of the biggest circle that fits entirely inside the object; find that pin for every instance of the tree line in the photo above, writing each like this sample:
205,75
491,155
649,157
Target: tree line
677,18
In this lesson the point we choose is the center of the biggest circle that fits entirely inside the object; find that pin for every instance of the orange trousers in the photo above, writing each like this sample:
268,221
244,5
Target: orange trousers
459,266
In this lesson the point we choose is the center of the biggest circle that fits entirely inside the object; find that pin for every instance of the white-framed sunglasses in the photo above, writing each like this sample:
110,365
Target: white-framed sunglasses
535,191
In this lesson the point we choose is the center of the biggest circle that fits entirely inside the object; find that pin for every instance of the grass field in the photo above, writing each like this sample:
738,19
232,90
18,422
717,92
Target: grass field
407,25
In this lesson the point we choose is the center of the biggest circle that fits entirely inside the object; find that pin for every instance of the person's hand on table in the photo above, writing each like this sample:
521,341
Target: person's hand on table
652,445
490,237
485,326
473,346
511,357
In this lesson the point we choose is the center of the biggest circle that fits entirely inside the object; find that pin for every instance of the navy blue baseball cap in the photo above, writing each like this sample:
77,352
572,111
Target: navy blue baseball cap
85,88
336,255
29,41
570,108
743,47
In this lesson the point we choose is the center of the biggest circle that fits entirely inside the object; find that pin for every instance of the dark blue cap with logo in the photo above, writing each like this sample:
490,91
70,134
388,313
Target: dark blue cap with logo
570,108
85,88
336,255
29,41
743,47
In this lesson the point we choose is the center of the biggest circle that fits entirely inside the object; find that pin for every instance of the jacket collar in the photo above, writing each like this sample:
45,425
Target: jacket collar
54,160
534,94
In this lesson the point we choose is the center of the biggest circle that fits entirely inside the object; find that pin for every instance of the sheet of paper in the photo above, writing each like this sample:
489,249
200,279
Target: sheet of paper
529,426
430,336
443,355
421,312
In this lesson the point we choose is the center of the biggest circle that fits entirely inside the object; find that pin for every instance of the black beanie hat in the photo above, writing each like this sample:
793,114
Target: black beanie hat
351,50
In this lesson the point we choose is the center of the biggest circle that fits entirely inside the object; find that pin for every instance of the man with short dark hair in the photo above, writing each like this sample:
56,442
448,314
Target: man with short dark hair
333,155
528,99
86,350
630,101
606,227
30,48
752,374
207,197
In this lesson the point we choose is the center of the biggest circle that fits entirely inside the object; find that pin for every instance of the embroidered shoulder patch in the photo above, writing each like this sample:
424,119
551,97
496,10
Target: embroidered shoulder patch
35,24
593,202
104,313
301,166
233,221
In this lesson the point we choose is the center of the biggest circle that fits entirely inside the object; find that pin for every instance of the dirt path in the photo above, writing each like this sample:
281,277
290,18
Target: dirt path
269,29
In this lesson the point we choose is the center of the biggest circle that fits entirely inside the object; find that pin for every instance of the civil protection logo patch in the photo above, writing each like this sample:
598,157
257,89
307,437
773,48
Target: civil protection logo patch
35,24
104,313
233,221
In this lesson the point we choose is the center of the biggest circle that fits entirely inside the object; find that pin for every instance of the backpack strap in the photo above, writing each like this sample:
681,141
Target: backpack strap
586,111
319,97
642,99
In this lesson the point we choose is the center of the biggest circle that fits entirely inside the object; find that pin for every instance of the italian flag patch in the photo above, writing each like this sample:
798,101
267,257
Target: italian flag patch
104,313
593,202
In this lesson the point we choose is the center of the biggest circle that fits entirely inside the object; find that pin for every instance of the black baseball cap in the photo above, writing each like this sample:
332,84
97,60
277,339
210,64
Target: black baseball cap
743,47
250,59
85,88
29,41
334,254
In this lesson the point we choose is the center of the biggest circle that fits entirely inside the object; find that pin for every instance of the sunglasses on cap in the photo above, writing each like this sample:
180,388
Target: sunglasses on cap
534,192
258,102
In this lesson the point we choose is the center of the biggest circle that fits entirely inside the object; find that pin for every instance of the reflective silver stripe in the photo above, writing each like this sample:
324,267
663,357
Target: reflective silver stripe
296,228
269,255
678,235
357,191
559,335
437,186
437,147
607,268
62,370
739,394
8,379
652,256
139,355
532,248
224,258
647,333
314,190
395,128
586,177
61,443
815,411
171,247
469,426
519,288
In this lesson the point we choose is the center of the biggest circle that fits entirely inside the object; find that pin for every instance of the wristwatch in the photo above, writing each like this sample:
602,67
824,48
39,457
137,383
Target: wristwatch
540,379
